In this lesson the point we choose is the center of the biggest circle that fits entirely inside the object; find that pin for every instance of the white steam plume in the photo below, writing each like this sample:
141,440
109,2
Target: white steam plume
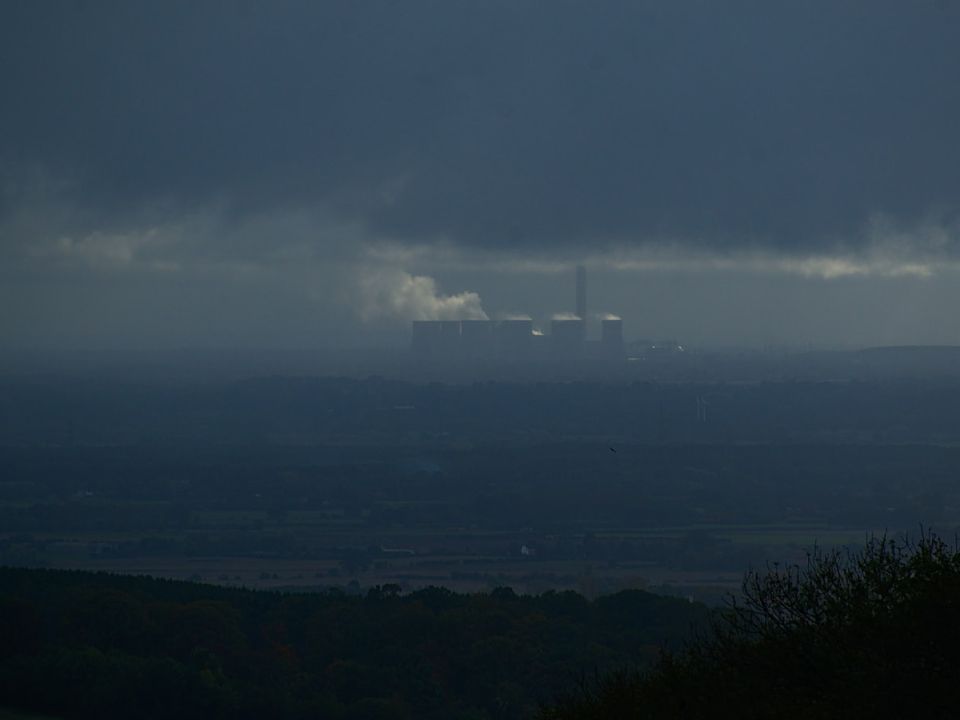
400,295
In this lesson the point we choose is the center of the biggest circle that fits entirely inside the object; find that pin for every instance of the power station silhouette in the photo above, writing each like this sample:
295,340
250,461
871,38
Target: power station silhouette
516,339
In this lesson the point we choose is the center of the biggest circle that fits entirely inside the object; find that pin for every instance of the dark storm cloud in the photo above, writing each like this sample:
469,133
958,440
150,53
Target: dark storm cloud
497,124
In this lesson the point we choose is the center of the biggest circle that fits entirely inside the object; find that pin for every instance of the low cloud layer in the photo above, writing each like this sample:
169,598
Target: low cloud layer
261,172
501,125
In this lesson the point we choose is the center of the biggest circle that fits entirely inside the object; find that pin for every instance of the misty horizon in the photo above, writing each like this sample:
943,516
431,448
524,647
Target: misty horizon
319,175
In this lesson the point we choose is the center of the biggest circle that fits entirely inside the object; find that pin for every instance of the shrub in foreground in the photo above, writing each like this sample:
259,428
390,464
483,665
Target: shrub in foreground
867,634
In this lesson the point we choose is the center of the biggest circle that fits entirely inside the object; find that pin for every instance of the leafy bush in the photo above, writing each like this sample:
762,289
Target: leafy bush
867,634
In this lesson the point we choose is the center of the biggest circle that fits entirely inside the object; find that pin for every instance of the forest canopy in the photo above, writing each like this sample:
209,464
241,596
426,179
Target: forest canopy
85,645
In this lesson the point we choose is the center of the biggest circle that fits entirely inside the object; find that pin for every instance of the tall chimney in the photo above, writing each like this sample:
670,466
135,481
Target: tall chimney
582,292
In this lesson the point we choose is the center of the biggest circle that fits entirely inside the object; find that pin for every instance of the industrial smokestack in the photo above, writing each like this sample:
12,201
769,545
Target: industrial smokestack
582,292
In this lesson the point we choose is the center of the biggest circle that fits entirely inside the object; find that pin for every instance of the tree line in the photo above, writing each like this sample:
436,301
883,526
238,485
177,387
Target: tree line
93,645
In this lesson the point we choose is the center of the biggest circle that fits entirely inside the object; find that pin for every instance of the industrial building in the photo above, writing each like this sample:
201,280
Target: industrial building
516,340
611,337
478,338
567,336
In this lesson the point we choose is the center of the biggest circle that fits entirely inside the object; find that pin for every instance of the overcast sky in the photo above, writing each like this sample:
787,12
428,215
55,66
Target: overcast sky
298,174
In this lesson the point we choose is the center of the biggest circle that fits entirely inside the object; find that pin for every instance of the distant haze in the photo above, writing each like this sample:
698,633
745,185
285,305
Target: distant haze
305,175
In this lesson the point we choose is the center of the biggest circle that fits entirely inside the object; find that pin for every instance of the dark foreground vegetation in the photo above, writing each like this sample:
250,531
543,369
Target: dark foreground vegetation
875,634
868,634
85,645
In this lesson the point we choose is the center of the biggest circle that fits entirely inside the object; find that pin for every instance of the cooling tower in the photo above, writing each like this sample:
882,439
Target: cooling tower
477,338
426,337
449,336
515,339
567,336
611,337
